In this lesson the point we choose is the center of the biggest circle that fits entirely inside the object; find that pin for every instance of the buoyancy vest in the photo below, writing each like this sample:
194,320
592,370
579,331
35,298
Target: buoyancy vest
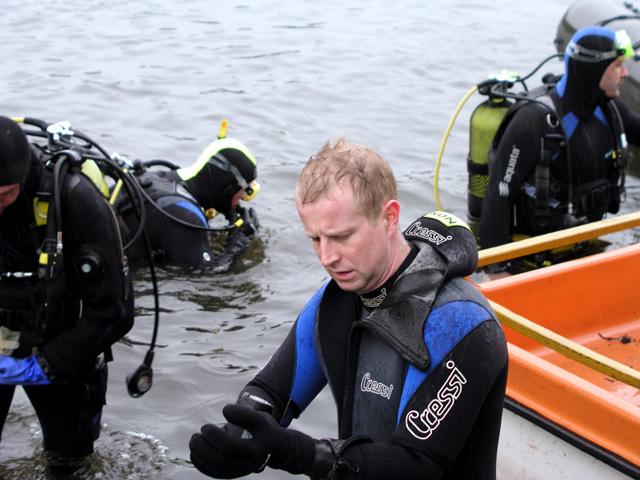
32,290
546,201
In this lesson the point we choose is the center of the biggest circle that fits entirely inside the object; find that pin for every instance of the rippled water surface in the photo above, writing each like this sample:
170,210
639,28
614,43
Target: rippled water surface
154,79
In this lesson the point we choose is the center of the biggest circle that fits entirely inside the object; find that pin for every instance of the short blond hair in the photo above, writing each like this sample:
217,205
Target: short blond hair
342,162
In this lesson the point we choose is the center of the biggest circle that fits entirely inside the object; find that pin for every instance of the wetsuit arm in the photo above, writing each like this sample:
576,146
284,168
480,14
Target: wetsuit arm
293,377
274,388
98,297
514,162
254,435
238,239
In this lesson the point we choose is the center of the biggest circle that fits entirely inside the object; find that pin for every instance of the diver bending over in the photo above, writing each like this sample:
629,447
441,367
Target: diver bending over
223,175
65,293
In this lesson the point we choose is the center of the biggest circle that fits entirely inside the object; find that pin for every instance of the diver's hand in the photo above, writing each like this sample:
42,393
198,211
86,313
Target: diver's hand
250,223
219,453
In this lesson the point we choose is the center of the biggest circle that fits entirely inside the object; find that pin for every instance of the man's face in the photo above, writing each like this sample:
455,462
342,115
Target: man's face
8,195
239,195
355,252
613,77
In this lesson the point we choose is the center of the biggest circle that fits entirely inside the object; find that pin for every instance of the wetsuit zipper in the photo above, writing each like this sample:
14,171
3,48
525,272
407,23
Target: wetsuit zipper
347,399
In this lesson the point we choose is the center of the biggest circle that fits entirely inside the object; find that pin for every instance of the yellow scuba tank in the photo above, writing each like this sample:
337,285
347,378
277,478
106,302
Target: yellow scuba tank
484,123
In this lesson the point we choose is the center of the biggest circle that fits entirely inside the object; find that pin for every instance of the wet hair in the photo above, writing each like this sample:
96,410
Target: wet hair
15,153
345,163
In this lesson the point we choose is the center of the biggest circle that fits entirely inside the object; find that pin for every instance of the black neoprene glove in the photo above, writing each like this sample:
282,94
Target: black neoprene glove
221,453
250,221
236,244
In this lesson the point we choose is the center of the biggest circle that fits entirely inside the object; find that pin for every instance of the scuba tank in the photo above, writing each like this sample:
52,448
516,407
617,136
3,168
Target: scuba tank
485,120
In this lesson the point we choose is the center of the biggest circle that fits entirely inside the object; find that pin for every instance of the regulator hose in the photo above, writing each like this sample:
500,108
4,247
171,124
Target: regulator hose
444,142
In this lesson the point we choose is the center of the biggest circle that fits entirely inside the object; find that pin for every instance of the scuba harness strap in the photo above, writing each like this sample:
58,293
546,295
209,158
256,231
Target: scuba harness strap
47,209
620,158
51,268
550,145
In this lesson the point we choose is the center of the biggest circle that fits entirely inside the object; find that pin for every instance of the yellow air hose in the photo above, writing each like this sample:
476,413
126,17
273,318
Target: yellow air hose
444,142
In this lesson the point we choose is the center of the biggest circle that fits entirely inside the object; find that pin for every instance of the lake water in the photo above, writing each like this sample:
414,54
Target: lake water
154,79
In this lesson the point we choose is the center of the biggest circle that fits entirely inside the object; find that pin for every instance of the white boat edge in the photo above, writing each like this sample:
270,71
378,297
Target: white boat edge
528,452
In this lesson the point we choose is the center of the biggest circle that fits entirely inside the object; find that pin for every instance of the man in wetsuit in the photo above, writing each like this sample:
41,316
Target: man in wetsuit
581,130
177,223
416,361
65,294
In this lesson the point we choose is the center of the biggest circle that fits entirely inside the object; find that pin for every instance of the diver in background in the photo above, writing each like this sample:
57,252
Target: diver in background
221,177
584,140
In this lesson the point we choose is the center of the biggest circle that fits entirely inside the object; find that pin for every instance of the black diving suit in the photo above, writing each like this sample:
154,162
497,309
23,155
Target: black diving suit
89,304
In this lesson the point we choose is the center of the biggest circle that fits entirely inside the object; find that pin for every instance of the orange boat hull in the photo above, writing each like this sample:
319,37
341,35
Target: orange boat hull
594,302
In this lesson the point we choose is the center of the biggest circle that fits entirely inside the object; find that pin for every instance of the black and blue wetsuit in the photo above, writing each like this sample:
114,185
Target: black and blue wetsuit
511,176
178,243
223,169
421,371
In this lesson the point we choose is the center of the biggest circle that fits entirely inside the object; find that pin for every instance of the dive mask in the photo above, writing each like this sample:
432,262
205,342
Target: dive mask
622,48
251,189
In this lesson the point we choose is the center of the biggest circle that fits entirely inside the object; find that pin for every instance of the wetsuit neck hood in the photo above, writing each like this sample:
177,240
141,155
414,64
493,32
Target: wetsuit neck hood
374,299
400,319
446,249
213,187
579,88
211,183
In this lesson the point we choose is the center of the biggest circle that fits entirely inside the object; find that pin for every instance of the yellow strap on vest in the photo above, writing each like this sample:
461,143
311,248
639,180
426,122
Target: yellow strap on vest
40,211
91,170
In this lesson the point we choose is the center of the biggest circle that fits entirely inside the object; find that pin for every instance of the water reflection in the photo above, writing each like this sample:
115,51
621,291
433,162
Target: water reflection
119,454
191,289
